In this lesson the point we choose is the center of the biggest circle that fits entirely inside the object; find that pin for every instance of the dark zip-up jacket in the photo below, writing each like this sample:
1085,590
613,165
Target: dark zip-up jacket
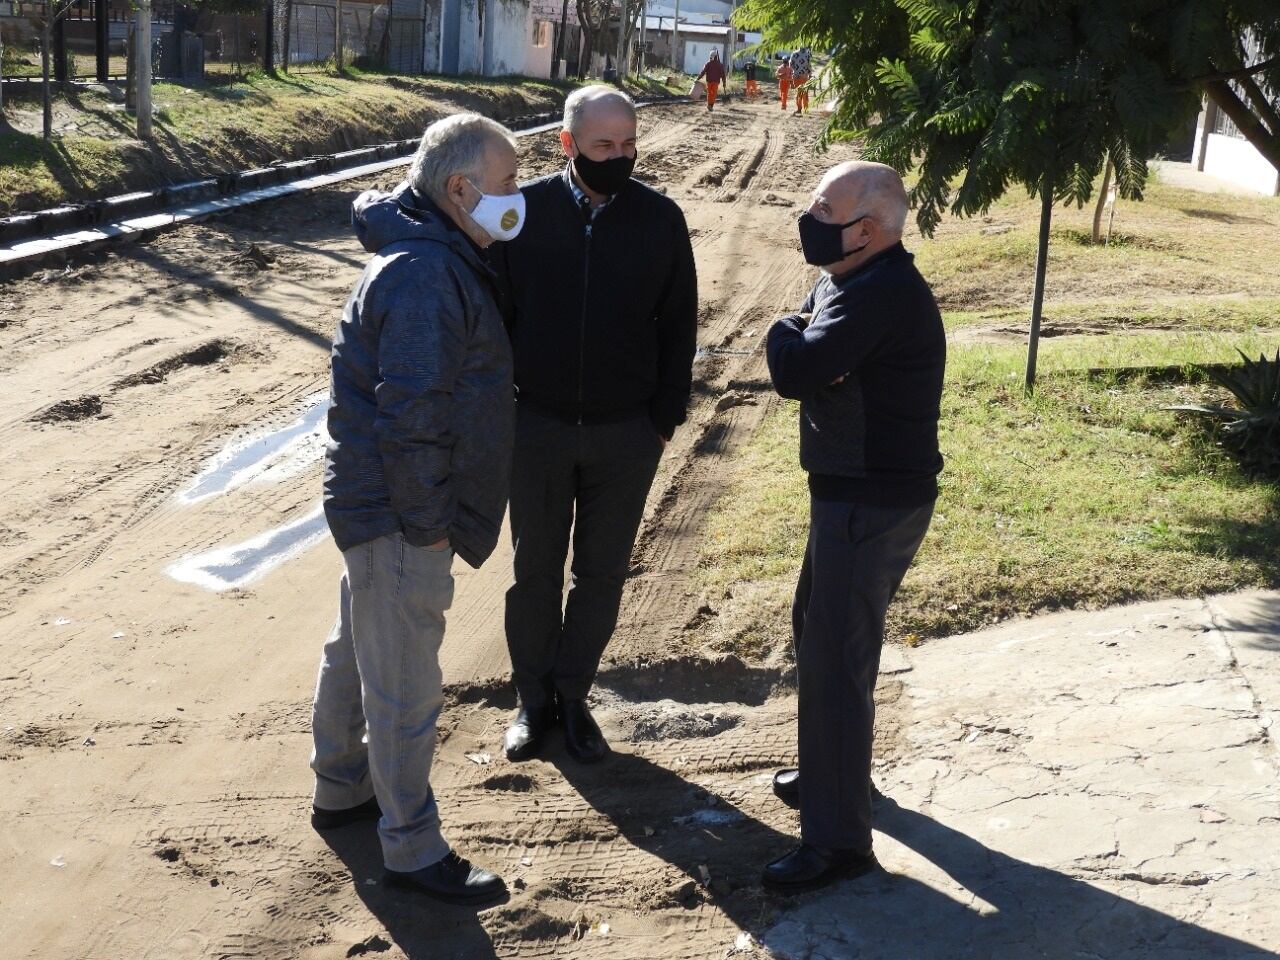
421,415
873,436
603,311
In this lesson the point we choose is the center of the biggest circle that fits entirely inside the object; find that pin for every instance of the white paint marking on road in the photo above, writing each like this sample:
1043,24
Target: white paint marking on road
263,457
236,566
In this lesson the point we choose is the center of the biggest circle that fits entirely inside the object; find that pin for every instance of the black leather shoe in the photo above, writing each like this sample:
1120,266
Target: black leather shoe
582,737
451,880
786,786
809,868
322,819
527,732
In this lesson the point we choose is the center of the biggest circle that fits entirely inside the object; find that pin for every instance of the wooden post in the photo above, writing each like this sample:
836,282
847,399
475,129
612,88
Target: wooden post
1037,299
142,72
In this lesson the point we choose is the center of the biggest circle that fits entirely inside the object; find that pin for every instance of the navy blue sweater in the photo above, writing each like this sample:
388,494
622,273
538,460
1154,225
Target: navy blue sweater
603,312
872,437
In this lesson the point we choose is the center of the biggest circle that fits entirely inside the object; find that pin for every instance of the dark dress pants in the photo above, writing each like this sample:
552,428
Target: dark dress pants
591,480
855,560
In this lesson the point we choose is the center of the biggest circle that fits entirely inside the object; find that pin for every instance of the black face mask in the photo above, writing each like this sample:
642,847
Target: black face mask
604,176
823,243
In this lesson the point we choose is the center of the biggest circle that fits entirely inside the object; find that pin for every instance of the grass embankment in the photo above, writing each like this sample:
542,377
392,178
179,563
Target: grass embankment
233,125
1085,494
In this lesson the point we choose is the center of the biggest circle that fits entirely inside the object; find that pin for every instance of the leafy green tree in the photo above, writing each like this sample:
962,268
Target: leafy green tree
981,95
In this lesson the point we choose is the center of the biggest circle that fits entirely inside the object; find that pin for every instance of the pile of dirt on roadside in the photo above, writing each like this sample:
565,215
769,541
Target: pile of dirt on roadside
206,132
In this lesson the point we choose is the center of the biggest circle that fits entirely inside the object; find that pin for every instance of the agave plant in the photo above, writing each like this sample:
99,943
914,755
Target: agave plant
1251,428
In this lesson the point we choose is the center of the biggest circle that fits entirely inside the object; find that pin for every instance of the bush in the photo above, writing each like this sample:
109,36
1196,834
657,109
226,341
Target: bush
1250,429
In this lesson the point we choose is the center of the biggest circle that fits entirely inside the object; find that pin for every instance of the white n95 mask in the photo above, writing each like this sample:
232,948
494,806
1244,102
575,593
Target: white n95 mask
500,215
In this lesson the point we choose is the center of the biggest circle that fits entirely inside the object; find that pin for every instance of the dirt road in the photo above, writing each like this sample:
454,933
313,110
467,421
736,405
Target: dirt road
166,582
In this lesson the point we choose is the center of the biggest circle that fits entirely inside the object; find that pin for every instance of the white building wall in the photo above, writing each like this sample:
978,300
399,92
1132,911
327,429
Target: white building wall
470,37
1238,161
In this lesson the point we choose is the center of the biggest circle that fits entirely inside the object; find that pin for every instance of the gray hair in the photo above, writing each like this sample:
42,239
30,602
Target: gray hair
455,144
575,105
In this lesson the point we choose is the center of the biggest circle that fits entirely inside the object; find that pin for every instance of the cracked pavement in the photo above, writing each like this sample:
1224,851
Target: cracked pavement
1082,785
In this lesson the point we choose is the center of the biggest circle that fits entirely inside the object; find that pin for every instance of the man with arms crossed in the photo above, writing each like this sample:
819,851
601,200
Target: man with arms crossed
421,419
602,309
865,357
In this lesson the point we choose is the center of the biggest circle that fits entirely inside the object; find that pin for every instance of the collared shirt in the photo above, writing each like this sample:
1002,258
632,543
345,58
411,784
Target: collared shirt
580,196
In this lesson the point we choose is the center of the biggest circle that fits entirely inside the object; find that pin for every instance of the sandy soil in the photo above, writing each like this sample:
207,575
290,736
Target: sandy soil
166,583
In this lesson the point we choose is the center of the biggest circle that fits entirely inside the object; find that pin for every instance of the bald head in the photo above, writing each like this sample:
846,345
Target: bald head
597,103
858,188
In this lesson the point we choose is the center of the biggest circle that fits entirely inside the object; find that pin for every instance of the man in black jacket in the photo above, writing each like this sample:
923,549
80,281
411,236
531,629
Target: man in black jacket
865,358
602,310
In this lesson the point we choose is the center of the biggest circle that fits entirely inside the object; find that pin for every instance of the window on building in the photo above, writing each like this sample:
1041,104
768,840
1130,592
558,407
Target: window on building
541,33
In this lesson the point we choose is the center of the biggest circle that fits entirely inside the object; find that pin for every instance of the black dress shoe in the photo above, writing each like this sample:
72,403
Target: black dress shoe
524,737
809,868
786,786
451,880
582,737
322,819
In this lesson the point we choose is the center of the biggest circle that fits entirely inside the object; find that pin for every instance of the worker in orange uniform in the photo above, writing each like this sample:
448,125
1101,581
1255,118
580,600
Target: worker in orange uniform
784,81
713,72
753,87
801,65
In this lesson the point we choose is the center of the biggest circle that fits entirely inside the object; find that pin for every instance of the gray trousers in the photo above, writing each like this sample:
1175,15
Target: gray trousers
593,480
379,694
855,560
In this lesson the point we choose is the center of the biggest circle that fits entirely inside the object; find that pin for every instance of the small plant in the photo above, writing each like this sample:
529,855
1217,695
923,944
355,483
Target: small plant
1251,429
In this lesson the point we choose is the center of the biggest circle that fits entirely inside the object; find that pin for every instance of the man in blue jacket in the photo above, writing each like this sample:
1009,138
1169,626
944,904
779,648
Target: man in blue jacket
865,357
602,307
420,422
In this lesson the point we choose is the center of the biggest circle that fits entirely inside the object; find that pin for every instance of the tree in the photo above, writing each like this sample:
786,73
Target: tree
628,12
982,95
592,14
54,11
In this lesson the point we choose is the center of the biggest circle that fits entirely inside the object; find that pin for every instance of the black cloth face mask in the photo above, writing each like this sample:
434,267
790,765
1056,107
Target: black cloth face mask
823,243
604,176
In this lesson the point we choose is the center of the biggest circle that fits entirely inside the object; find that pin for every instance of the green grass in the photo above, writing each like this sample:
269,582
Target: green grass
1083,495
235,123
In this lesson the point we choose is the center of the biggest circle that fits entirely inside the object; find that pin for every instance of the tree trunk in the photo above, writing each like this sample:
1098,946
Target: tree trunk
286,42
1102,201
1037,298
46,34
623,9
337,34
1249,125
143,70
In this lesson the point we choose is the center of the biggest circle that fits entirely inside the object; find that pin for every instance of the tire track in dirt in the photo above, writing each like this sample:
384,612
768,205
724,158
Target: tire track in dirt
199,708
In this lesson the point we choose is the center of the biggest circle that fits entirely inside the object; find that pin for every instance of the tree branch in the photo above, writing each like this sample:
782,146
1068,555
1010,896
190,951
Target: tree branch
1265,108
1238,74
1268,144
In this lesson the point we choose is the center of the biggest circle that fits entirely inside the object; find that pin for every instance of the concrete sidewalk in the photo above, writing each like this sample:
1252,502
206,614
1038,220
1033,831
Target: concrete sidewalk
1083,785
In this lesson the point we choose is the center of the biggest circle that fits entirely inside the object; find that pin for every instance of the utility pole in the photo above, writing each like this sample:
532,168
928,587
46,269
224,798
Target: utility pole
142,72
675,40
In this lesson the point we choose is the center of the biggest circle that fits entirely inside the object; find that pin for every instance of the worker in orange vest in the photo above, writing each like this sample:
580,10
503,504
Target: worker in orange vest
713,71
801,65
784,80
